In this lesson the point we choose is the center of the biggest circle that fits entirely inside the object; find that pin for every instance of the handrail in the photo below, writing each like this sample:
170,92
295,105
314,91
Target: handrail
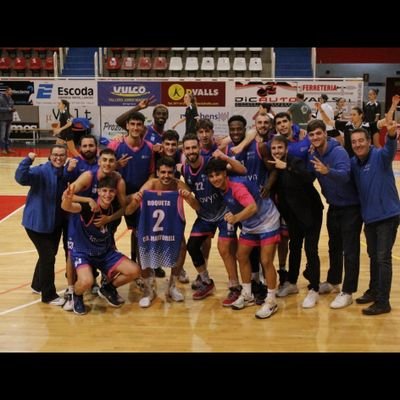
55,65
314,61
273,60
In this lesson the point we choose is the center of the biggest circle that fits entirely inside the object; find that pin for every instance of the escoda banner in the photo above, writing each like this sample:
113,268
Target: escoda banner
282,94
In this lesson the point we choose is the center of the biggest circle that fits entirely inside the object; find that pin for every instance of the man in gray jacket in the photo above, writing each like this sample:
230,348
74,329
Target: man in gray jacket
6,115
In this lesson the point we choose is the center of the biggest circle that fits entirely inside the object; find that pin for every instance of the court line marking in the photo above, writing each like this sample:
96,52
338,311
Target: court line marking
11,214
22,306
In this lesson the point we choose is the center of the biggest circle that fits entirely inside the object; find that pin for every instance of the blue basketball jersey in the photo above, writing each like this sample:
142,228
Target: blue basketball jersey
211,202
139,167
161,228
153,136
86,238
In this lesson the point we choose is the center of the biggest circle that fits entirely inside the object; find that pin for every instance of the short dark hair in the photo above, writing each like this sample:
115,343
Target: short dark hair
171,134
239,118
190,136
136,116
88,136
107,150
204,123
315,124
108,182
215,165
167,161
361,130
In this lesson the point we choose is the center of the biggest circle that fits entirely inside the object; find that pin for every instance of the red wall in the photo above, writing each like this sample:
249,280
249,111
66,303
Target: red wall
350,55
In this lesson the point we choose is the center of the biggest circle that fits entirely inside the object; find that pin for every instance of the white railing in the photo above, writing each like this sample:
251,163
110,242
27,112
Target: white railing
55,64
314,61
273,60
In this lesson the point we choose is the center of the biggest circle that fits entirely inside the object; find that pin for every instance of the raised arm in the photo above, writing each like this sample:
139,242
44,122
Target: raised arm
121,120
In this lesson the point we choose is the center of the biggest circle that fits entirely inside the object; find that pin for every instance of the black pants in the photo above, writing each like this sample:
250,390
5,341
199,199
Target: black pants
344,227
47,246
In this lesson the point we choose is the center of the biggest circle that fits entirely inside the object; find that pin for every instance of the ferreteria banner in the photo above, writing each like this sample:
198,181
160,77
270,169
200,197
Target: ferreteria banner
282,94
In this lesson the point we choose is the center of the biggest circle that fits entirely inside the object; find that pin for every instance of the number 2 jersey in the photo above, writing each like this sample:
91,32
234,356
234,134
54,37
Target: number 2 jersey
161,228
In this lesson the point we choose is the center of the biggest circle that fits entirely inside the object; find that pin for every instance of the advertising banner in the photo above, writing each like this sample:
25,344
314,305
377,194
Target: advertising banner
49,114
22,91
120,93
77,92
208,94
218,115
281,95
25,119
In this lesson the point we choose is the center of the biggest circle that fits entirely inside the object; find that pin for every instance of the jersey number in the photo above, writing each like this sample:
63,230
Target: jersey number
160,215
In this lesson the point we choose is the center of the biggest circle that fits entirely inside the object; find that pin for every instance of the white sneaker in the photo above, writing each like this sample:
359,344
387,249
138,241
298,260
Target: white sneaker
243,302
342,300
147,298
175,294
286,289
311,299
267,309
58,301
69,304
326,287
183,277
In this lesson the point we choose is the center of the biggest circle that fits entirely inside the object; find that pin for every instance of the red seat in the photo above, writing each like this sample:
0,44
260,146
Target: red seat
11,51
128,65
117,51
49,65
113,65
26,51
131,51
35,65
160,65
41,51
144,65
5,64
19,65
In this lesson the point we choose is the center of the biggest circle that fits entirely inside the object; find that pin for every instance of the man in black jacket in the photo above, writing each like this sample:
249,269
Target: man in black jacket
6,115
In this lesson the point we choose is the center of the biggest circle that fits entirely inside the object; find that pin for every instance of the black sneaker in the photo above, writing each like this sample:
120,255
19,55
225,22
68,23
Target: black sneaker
78,305
159,272
108,293
283,276
259,291
377,308
196,283
367,297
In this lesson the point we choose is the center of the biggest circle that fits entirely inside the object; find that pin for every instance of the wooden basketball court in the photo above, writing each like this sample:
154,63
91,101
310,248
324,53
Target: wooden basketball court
28,325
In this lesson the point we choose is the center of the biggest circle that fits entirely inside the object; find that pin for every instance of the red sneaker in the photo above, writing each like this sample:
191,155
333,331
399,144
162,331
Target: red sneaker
204,290
233,295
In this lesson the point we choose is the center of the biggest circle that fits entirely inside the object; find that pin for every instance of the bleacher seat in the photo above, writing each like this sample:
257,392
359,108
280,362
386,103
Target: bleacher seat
11,51
131,51
208,51
26,51
19,65
193,51
177,51
113,65
49,65
117,51
5,65
162,51
223,66
160,65
128,65
255,66
255,51
147,51
192,65
239,66
224,51
144,66
41,51
240,51
207,66
175,65
35,65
